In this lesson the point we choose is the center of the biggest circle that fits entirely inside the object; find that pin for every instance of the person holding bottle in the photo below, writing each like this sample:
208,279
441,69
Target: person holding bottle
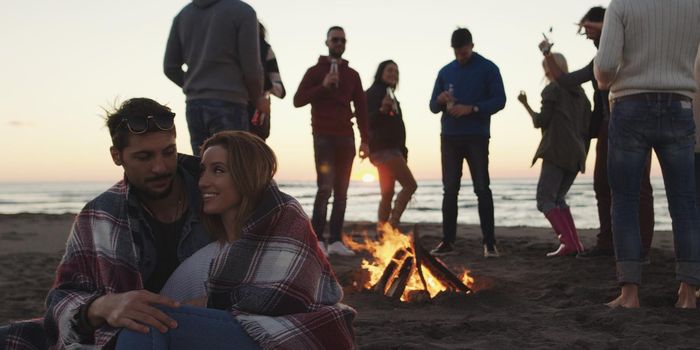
564,119
260,121
387,144
330,86
467,92
591,26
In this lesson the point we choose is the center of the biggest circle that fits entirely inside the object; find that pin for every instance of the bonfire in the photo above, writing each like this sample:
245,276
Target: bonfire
401,268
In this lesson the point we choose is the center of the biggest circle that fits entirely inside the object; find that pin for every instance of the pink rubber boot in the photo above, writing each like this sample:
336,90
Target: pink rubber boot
574,234
561,227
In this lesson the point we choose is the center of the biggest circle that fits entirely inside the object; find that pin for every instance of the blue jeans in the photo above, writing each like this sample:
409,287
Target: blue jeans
638,124
197,328
552,187
333,156
3,335
697,180
207,117
475,149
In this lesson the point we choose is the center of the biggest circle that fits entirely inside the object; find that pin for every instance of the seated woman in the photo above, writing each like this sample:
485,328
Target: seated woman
564,120
265,283
387,144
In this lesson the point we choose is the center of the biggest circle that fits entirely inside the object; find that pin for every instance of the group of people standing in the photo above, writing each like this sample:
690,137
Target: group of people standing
233,94
644,88
206,252
467,92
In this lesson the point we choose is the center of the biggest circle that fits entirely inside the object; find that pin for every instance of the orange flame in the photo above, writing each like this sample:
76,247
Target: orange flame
382,251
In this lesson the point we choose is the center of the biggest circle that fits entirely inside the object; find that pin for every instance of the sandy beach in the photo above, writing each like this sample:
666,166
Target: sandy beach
521,300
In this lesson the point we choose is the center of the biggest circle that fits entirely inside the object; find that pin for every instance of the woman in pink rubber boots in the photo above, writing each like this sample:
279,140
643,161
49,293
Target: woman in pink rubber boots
564,119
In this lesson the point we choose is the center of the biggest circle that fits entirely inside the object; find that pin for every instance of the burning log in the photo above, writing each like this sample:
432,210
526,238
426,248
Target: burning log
415,238
389,271
395,276
440,271
399,283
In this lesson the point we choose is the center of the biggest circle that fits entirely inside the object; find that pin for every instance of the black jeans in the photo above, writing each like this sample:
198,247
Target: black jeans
333,156
475,149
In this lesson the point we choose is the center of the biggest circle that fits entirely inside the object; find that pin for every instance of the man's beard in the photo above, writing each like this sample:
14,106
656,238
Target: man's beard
150,195
334,54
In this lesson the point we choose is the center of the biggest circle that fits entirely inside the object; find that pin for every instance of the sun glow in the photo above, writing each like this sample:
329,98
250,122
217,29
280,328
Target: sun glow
368,178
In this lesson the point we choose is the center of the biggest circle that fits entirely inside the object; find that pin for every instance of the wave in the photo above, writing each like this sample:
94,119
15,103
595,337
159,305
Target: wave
514,201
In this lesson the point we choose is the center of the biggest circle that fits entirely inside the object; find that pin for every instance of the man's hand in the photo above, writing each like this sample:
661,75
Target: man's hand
460,110
331,80
387,105
364,150
263,105
132,310
444,98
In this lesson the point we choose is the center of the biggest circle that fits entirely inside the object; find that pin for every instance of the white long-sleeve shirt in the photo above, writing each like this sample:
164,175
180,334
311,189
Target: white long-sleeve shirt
649,46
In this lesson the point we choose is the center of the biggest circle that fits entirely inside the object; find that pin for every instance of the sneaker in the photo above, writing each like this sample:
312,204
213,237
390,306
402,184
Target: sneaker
339,248
322,246
491,253
595,252
443,249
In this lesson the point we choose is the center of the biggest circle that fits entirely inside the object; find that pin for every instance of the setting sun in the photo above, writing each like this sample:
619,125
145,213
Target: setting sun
368,177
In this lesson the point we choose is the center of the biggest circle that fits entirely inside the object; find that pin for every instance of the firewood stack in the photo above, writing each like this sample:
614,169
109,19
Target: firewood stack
410,260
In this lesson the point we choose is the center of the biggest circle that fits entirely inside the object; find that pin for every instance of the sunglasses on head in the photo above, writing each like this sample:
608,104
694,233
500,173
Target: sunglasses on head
338,40
139,124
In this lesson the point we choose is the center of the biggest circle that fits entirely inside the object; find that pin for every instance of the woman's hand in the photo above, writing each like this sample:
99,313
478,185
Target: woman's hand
387,105
522,97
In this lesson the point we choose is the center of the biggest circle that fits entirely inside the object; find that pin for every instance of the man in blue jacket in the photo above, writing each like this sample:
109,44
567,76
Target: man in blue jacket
468,91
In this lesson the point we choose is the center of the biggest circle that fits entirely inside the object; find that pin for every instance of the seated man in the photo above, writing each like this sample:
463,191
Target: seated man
125,243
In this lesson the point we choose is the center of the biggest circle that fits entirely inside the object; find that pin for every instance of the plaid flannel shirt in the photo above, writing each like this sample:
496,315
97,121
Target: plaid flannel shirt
105,253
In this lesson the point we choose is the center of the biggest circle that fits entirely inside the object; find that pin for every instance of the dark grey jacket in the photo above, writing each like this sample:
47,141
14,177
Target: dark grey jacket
564,119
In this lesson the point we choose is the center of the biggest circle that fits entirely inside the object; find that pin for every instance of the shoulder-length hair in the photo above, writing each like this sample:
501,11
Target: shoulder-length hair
251,164
380,70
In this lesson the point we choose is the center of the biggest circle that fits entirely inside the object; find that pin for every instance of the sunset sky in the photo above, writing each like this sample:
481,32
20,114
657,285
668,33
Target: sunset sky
64,60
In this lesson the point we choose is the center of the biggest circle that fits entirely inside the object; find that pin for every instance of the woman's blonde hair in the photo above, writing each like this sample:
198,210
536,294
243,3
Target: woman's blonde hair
251,164
560,61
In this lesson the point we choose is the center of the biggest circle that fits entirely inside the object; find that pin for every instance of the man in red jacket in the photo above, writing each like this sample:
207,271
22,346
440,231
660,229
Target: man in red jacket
329,87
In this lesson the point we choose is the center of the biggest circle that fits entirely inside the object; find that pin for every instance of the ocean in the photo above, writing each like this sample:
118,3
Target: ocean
514,201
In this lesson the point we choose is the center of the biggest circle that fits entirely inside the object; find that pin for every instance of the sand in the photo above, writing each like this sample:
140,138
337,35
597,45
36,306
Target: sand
522,300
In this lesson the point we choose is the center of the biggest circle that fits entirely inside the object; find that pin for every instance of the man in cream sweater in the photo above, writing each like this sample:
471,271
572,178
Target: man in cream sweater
646,59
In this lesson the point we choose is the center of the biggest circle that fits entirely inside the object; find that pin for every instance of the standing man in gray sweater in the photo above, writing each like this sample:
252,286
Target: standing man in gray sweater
646,58
218,41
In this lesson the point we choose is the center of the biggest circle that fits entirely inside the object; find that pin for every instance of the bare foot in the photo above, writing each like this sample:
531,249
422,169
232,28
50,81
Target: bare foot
628,299
686,297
